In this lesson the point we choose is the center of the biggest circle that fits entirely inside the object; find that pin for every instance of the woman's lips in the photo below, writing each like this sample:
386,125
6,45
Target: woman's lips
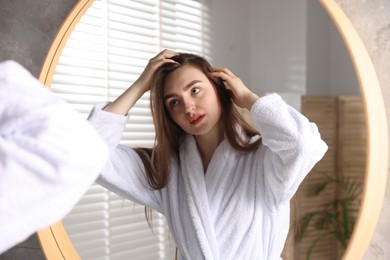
196,119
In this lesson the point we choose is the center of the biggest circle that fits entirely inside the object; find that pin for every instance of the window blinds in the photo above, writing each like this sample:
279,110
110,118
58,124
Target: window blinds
105,54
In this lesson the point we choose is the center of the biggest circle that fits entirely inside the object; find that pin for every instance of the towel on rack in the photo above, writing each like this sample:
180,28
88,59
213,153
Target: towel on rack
49,156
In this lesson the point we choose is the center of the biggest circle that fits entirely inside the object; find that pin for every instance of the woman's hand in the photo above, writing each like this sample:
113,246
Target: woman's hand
145,79
241,95
127,99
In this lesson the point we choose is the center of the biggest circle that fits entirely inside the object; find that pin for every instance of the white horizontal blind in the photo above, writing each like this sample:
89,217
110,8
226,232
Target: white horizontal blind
104,55
185,26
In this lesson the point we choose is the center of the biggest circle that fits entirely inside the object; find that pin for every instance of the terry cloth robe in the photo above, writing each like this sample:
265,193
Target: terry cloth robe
239,208
49,156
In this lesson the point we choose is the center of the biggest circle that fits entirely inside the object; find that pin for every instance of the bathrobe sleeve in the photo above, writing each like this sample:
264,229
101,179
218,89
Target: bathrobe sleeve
291,147
49,156
124,174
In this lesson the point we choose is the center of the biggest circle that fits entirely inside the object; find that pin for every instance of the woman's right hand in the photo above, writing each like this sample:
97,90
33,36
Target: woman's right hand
127,99
145,79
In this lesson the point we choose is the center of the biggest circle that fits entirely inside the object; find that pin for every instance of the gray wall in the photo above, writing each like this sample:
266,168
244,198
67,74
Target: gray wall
27,29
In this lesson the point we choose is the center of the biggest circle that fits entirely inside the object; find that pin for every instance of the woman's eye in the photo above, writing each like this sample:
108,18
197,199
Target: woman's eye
173,103
195,91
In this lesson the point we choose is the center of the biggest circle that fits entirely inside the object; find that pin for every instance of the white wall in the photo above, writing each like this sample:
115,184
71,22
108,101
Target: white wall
329,67
282,46
230,46
342,76
278,46
318,49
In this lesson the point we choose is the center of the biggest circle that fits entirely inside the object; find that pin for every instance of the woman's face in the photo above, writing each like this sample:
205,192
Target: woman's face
192,102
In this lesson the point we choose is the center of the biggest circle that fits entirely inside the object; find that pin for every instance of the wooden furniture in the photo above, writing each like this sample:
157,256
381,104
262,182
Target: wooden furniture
342,125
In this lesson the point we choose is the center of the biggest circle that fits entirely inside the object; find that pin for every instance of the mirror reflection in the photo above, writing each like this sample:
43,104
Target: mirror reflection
295,51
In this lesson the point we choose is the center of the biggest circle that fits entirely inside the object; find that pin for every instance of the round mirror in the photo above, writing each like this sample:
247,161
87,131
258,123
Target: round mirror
197,18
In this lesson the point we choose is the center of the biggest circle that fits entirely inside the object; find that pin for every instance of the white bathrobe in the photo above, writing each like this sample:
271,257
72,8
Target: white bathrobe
239,208
49,156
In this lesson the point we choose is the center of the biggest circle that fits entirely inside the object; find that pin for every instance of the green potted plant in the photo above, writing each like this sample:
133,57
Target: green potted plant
335,218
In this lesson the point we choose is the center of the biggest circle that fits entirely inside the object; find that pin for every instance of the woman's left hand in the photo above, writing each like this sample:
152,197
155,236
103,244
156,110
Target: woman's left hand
241,95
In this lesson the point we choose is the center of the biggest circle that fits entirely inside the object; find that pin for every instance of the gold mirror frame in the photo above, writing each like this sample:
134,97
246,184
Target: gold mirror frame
57,245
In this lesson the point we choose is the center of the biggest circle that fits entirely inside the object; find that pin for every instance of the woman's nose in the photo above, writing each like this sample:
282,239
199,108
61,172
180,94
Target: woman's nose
189,106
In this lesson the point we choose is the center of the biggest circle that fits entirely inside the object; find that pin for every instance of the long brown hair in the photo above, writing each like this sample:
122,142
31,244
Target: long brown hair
169,135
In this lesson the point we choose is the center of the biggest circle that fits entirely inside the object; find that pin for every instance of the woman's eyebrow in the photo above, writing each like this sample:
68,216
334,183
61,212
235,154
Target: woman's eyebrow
190,84
185,88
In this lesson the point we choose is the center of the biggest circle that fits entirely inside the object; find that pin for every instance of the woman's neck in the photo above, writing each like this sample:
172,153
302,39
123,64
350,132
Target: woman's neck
208,143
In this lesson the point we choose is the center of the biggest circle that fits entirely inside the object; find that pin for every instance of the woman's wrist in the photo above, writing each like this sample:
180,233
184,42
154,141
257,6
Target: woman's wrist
250,99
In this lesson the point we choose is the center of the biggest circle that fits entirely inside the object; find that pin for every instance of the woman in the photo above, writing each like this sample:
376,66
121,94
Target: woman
224,189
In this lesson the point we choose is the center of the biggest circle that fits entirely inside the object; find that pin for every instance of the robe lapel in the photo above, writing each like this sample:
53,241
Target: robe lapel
217,168
197,198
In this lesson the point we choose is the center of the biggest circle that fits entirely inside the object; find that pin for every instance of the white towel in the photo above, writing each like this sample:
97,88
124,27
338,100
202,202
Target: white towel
49,156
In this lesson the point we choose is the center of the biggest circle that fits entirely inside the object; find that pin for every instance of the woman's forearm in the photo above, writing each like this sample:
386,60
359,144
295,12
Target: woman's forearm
126,100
